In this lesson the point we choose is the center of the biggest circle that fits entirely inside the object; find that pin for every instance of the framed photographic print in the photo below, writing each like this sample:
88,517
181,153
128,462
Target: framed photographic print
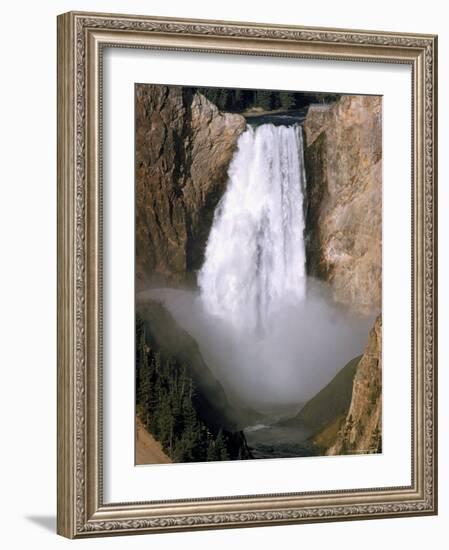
246,274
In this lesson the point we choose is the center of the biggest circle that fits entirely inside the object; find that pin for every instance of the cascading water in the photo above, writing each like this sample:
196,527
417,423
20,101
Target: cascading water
270,335
255,255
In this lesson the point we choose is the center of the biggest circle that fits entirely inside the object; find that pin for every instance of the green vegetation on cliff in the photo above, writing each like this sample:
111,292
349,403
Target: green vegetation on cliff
188,418
240,100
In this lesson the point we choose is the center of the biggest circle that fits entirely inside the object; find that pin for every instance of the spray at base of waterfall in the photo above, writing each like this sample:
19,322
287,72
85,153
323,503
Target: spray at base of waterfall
309,342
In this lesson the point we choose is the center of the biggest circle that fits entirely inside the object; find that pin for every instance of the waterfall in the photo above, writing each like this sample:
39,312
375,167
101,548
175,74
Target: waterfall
255,254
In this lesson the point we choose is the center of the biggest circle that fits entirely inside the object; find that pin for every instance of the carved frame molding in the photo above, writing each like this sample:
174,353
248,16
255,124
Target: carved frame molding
81,39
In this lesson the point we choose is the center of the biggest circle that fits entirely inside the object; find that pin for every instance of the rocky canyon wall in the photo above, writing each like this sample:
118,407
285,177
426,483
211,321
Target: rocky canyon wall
183,148
343,160
361,429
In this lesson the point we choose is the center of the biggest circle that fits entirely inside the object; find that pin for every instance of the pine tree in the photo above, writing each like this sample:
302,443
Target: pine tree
191,423
142,367
179,454
275,100
166,401
221,451
287,100
165,421
251,98
238,99
264,99
211,454
222,99
144,382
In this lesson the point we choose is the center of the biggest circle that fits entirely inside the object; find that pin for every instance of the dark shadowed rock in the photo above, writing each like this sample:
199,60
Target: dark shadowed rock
183,148
330,403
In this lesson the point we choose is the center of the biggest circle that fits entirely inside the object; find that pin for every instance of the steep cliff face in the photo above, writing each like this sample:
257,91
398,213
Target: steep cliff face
183,148
343,160
331,403
360,432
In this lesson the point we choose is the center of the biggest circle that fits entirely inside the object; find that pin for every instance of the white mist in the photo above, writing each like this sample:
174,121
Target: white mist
271,335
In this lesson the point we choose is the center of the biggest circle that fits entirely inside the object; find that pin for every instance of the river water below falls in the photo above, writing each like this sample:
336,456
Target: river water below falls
275,441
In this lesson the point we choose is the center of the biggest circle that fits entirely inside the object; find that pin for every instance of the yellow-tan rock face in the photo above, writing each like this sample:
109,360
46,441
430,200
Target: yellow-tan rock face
361,431
343,158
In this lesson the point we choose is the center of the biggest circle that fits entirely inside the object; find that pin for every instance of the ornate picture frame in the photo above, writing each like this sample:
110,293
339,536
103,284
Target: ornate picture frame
82,39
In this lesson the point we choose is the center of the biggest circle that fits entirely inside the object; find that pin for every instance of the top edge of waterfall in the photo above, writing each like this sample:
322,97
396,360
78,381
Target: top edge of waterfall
276,119
254,126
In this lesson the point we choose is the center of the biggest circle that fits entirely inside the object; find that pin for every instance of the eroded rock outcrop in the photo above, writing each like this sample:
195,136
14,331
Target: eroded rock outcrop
183,148
343,159
361,430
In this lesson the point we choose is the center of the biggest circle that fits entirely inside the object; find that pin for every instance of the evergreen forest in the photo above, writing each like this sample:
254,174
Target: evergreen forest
240,100
167,402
